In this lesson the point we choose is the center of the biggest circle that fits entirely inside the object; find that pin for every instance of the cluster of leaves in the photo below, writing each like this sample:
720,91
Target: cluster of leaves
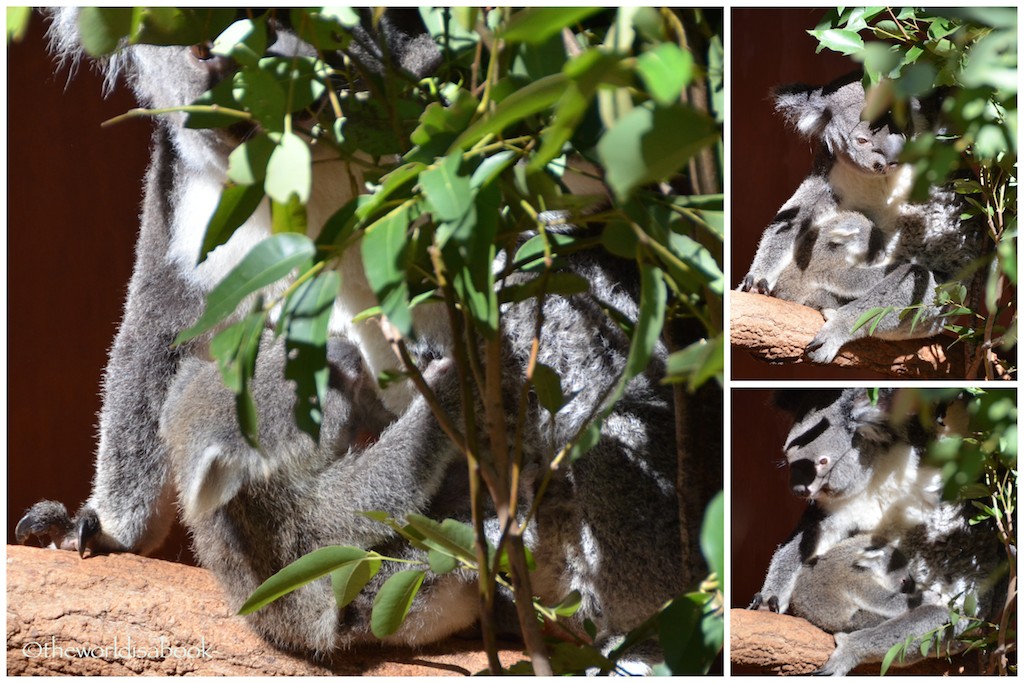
977,457
966,60
448,173
690,628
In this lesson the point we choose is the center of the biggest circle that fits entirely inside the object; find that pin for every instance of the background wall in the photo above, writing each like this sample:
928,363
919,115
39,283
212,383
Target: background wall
74,190
770,47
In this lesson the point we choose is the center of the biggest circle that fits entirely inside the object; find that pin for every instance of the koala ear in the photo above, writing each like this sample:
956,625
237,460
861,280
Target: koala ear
804,107
872,419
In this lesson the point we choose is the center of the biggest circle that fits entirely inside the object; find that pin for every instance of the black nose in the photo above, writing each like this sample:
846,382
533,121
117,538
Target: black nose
801,475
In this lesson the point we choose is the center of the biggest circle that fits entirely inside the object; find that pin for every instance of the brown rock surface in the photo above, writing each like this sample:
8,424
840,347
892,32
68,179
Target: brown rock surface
763,642
778,331
120,609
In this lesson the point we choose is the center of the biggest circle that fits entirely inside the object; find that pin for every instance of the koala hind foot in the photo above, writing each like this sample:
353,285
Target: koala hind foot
48,520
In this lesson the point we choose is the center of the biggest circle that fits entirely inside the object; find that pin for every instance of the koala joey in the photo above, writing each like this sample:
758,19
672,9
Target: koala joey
609,526
849,239
856,584
862,476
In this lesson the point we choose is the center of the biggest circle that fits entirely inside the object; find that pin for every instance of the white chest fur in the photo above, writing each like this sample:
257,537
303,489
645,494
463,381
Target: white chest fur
881,198
195,202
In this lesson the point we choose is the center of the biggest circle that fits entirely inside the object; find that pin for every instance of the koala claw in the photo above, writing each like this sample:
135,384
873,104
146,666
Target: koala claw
823,348
46,520
772,603
88,532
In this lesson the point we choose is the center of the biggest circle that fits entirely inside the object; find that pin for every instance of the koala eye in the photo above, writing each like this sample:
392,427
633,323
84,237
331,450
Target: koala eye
823,461
201,51
861,140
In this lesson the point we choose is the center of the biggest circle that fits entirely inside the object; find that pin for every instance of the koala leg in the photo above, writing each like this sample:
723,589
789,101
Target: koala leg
871,644
905,286
252,512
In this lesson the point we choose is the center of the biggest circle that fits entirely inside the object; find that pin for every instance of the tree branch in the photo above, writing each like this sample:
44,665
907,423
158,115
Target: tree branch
767,643
125,614
778,331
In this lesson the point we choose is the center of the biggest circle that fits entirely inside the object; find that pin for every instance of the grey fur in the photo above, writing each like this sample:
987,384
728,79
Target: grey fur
862,476
609,526
849,239
859,583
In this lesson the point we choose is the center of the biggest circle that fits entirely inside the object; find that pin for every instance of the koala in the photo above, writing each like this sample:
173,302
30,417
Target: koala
608,527
857,584
862,475
850,239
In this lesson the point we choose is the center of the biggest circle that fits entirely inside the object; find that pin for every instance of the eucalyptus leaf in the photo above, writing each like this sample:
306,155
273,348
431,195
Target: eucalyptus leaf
237,203
267,262
393,601
304,570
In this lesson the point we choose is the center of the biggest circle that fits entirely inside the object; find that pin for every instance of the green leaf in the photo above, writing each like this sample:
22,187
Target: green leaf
306,319
180,25
531,99
304,570
245,41
102,28
548,386
384,259
588,439
221,95
289,171
839,40
697,363
879,311
666,70
351,578
451,537
17,22
261,94
569,605
648,324
894,651
237,203
288,217
299,77
247,164
651,143
712,536
448,192
537,24
266,263
235,350
680,635
394,600
561,283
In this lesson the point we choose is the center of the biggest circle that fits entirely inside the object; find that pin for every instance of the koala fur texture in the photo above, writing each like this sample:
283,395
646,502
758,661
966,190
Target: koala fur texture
867,492
609,526
857,584
850,239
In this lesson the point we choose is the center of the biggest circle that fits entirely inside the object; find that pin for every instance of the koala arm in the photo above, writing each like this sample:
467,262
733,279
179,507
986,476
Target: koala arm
786,563
904,286
131,506
871,644
775,251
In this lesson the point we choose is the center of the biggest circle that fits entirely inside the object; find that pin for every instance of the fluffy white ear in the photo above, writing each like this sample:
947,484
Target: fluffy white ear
803,107
216,478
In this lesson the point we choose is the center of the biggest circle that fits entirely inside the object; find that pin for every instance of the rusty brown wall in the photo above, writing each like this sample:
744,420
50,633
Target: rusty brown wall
74,191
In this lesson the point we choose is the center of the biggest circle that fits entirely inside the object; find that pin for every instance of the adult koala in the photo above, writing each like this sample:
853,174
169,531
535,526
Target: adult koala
609,527
868,491
850,239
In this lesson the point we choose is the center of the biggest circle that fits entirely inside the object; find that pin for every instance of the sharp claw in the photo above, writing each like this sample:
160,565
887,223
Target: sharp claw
757,601
46,519
88,528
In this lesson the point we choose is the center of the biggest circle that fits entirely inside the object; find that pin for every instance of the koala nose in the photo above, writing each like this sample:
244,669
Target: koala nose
801,475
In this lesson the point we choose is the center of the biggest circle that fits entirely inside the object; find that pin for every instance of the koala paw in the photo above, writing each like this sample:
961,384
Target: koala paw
840,661
759,601
751,283
49,521
826,344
